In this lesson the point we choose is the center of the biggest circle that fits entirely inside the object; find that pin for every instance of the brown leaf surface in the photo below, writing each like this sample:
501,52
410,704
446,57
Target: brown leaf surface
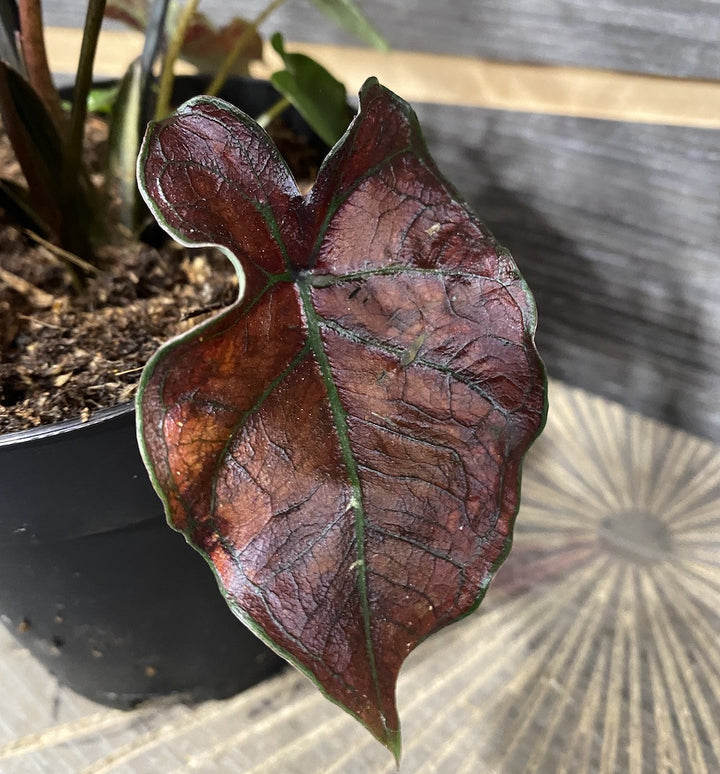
344,443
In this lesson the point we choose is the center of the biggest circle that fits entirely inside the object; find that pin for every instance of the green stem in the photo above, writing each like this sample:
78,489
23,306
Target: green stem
167,76
35,58
240,44
273,112
83,83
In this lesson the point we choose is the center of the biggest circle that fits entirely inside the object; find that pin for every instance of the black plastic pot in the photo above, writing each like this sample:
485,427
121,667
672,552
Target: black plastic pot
92,580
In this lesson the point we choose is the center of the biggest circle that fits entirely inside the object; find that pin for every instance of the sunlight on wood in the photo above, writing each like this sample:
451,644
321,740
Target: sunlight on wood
460,80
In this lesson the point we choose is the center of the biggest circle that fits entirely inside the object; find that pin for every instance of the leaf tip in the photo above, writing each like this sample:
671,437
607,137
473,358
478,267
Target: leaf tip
393,742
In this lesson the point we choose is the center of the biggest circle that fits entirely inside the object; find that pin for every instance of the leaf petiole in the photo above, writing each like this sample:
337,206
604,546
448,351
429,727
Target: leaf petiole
273,112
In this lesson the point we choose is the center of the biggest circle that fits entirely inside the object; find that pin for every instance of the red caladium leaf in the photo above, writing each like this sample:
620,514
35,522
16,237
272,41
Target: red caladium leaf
344,443
205,45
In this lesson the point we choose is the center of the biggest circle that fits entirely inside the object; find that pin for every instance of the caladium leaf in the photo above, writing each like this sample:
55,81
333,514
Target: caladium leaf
316,94
343,444
351,18
205,46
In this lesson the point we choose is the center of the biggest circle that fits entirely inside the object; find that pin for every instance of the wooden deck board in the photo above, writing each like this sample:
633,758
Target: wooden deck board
667,37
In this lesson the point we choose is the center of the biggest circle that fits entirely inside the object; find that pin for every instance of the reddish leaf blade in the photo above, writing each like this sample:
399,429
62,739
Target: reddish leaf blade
344,444
236,189
207,47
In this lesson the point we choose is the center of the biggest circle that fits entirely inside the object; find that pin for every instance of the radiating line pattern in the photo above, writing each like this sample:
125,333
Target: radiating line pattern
619,534
596,650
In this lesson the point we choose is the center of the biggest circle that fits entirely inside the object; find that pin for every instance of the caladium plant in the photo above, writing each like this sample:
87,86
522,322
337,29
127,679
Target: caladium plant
343,444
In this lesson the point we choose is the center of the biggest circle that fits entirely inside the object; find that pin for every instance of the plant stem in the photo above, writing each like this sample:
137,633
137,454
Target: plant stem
35,57
273,112
77,208
83,83
226,67
167,76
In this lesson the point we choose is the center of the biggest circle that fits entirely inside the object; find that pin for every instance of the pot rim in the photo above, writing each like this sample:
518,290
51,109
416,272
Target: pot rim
65,426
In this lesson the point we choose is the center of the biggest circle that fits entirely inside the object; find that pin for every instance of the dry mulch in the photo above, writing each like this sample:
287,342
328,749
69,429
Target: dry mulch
65,354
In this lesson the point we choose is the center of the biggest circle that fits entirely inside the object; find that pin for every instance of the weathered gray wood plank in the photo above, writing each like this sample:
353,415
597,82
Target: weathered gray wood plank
617,229
670,37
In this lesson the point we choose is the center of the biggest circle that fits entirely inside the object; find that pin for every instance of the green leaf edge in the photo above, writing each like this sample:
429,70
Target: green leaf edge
392,742
348,16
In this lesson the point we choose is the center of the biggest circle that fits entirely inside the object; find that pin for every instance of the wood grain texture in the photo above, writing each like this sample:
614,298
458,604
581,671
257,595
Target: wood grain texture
597,648
617,228
671,37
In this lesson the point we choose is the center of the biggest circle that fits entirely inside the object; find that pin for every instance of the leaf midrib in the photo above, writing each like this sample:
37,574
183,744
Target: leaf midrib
356,503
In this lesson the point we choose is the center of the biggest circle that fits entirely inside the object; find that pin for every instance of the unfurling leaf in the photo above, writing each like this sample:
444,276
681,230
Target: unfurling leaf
124,143
351,18
343,444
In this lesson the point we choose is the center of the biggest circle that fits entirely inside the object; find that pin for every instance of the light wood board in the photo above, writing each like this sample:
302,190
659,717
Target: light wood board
668,37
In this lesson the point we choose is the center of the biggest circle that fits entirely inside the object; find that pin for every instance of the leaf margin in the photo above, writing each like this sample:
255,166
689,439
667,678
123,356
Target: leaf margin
530,323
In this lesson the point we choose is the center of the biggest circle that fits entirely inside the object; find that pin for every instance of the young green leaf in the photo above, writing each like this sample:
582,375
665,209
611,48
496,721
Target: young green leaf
315,93
343,443
102,99
351,18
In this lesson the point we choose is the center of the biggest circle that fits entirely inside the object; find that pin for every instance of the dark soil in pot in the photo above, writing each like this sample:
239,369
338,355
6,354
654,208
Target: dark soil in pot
92,580
67,352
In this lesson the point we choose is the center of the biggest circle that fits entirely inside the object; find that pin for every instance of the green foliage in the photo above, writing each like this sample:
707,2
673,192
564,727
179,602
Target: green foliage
350,18
319,97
